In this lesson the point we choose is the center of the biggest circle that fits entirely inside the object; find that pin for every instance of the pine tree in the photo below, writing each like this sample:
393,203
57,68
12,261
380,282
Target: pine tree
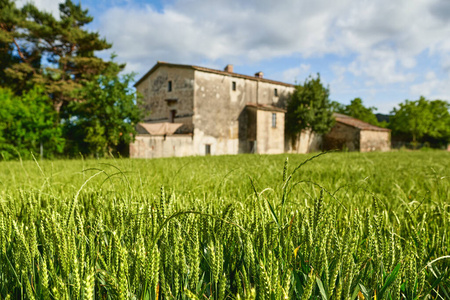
57,57
65,46
11,20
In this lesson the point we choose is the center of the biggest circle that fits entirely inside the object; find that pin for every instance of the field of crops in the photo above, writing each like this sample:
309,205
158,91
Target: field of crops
338,226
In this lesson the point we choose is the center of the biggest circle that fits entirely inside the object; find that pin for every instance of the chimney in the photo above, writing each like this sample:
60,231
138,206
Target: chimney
229,69
259,74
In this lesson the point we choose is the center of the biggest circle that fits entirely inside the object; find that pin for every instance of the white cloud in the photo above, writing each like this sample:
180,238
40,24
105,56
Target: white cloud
51,6
380,66
445,62
339,71
231,31
381,43
432,87
384,36
296,74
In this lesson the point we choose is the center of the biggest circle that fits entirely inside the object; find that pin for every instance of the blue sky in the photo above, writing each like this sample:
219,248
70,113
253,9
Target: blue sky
381,51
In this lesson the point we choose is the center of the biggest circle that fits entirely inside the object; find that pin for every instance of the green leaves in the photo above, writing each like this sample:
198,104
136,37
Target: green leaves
106,118
422,120
56,57
26,122
357,110
309,108
389,280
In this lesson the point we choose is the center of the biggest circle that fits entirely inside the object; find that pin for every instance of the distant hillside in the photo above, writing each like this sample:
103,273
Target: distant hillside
382,117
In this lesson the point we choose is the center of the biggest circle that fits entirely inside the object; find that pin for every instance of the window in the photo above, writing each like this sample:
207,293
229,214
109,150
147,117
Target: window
274,120
173,113
275,92
233,85
207,149
169,86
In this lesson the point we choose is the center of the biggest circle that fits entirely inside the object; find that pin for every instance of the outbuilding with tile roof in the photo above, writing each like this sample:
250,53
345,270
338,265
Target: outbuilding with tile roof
355,135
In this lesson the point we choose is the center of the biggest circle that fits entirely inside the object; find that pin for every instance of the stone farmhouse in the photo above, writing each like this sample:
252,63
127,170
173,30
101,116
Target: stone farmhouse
192,110
355,135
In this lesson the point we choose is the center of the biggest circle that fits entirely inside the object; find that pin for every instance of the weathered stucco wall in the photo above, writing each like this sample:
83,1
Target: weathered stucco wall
306,142
216,114
155,92
266,94
341,137
219,111
269,140
146,146
375,140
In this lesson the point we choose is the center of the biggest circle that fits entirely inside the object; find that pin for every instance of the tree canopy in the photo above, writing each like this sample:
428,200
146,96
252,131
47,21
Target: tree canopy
104,121
309,108
56,54
356,109
57,57
27,123
421,120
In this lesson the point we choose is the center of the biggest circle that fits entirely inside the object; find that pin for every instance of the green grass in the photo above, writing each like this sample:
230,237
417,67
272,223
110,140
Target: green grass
343,225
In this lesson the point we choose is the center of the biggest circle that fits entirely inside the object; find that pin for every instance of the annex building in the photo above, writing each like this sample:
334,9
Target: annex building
355,135
191,110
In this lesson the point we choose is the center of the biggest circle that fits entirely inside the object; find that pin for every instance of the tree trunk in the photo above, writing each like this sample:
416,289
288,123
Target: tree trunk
414,141
57,105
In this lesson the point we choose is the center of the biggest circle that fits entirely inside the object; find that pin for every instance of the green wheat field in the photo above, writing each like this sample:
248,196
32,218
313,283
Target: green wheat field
331,226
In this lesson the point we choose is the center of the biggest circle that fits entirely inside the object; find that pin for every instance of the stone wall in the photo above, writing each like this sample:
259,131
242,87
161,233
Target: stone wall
269,140
158,101
146,146
342,137
375,140
306,142
220,118
345,137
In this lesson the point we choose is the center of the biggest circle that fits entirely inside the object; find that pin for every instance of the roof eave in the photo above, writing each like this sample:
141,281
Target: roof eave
156,66
208,70
368,129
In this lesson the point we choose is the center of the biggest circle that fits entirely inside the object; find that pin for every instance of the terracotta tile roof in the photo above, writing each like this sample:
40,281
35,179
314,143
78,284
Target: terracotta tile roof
163,128
347,120
266,107
203,69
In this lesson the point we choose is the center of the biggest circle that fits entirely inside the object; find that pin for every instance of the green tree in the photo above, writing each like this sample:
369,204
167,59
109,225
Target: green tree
11,19
106,119
94,105
27,124
356,109
56,54
413,118
337,107
309,108
440,126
